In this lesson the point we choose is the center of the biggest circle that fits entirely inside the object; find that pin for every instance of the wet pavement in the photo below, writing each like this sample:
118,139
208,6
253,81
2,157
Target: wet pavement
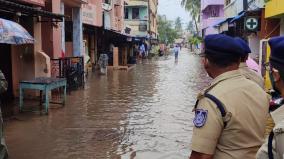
142,114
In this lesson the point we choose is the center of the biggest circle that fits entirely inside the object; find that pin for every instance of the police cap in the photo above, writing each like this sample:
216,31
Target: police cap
221,44
277,52
245,46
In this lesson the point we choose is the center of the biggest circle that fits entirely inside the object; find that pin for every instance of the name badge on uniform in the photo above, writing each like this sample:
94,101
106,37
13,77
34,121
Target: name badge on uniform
200,118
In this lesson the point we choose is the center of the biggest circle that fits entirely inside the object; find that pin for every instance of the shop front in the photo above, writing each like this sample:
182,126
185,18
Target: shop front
27,61
92,13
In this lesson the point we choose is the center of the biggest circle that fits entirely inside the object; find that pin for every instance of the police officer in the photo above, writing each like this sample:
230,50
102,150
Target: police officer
274,145
244,69
230,114
3,148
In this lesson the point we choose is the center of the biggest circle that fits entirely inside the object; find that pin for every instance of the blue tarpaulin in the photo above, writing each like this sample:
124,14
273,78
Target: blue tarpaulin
239,16
222,22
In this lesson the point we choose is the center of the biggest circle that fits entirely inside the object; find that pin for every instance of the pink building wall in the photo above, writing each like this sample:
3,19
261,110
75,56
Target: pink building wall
56,31
206,3
116,15
98,12
212,13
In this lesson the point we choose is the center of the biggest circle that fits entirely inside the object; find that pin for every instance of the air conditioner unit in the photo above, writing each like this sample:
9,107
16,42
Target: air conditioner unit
106,6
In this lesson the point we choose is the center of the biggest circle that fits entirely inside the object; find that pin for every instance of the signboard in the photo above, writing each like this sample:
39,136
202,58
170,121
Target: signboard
89,14
143,27
252,24
36,2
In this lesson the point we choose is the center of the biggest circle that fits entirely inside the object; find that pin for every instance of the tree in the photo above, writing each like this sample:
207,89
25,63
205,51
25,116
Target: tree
167,33
190,27
194,7
178,25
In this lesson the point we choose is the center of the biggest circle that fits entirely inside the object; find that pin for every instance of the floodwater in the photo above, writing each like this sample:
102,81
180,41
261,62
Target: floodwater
142,114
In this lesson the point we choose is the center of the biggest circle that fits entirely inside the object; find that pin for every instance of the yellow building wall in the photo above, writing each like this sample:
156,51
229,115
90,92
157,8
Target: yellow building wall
267,80
274,8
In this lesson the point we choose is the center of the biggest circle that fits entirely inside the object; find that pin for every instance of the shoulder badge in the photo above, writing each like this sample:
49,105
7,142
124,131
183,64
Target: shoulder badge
200,118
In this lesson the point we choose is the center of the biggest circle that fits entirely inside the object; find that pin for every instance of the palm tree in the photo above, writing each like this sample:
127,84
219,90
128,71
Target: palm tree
194,7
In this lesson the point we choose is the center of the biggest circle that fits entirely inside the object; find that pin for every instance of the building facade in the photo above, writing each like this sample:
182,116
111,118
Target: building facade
153,14
237,15
28,61
212,12
141,17
275,10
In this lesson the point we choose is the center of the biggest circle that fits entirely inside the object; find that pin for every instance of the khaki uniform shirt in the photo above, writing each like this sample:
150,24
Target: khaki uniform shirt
247,111
251,74
278,140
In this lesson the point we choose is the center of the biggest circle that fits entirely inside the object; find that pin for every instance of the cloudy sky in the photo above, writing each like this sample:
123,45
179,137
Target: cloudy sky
172,9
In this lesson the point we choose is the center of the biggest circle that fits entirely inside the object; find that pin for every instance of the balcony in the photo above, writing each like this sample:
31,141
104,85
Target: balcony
274,8
206,3
137,3
75,3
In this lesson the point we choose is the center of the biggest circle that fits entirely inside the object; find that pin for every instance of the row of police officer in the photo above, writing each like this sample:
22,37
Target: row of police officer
230,114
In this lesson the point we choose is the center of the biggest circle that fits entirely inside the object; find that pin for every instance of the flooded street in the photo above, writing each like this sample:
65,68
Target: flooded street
145,113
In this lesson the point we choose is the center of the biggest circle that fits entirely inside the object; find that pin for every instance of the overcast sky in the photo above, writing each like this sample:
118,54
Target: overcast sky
172,9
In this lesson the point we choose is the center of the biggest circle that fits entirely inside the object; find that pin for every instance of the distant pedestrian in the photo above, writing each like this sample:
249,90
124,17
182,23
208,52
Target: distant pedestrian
245,70
3,147
176,51
230,114
273,148
146,49
142,50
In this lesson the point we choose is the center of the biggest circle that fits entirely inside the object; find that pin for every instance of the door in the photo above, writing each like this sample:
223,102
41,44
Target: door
6,67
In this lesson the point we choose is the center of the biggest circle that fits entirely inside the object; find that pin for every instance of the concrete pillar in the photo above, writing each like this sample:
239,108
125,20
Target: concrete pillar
37,46
124,56
115,57
42,61
63,49
92,49
56,30
77,32
37,36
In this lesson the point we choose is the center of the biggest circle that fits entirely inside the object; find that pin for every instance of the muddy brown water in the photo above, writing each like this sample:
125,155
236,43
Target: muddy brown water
142,114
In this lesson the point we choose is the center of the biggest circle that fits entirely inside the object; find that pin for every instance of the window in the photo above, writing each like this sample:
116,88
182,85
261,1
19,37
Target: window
126,13
227,2
107,1
135,13
214,13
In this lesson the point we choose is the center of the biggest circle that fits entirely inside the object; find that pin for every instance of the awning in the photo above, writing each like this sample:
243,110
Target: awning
14,7
239,16
222,22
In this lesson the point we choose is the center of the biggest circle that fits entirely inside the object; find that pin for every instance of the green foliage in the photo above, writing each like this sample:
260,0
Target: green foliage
195,40
194,8
190,27
178,25
167,33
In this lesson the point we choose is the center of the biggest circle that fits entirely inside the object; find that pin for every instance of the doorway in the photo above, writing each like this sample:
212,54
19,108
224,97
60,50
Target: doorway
6,68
